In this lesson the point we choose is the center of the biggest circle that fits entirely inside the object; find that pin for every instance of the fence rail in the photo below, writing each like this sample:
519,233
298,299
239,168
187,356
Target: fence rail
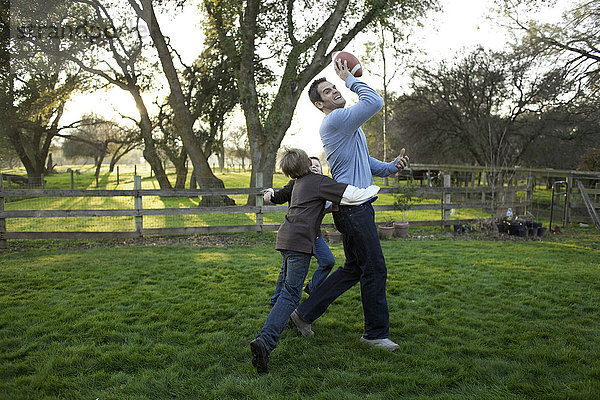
496,199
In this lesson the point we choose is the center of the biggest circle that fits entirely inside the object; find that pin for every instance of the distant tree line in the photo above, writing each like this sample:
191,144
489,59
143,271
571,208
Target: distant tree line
534,105
243,42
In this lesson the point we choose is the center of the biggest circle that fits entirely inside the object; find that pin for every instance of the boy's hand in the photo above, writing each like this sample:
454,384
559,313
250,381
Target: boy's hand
268,194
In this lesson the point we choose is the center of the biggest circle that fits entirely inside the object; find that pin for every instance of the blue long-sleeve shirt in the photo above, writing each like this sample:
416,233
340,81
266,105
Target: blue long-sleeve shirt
345,143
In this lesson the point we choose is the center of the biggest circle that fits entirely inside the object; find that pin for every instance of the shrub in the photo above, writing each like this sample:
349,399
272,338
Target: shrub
590,160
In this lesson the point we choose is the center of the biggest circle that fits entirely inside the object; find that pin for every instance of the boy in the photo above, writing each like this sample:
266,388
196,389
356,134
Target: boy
323,254
296,241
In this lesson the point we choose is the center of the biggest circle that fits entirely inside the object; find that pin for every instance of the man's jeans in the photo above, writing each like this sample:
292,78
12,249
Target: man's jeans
295,266
325,260
364,264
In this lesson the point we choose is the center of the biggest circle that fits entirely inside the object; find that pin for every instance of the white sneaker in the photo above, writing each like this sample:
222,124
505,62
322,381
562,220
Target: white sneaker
384,343
303,327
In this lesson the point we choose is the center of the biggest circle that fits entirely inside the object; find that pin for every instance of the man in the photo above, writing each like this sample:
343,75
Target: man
346,148
296,242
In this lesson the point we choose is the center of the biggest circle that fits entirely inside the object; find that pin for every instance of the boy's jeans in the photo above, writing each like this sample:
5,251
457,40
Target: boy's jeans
325,260
295,266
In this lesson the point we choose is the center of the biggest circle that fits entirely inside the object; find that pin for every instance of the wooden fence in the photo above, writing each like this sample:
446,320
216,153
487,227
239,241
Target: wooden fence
571,188
456,187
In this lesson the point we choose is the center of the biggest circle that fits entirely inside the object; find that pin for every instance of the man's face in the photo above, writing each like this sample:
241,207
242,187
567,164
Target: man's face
332,98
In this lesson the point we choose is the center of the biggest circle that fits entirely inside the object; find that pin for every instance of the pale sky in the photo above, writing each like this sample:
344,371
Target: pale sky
462,25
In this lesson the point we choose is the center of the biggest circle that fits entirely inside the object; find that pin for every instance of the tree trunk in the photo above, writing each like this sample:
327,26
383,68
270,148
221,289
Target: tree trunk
117,155
182,117
149,152
263,147
114,160
34,168
98,161
263,162
181,169
221,152
50,165
265,139
193,183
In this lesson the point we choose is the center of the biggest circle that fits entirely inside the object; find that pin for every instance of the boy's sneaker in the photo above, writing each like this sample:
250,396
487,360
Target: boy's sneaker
384,343
303,326
260,355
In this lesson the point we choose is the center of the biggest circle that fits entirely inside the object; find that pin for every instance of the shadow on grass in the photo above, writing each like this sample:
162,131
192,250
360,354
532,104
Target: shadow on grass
180,221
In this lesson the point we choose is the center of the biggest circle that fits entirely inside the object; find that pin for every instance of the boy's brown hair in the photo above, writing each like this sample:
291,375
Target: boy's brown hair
295,163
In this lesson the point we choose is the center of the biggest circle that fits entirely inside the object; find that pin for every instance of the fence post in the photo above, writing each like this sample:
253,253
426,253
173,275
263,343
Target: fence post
72,181
7,200
3,244
137,202
529,193
446,197
567,214
259,200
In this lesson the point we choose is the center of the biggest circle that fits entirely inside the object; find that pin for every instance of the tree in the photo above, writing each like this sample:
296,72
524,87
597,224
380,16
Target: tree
35,89
574,43
183,119
301,36
387,52
38,107
8,156
96,137
129,140
213,95
124,71
84,33
590,160
575,39
485,109
568,130
239,146
6,95
170,144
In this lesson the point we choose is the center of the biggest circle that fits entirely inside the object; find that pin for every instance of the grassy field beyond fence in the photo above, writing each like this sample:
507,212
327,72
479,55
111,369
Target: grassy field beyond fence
124,181
474,320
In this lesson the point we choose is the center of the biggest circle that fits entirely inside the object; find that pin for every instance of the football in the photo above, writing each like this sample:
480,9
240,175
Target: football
353,63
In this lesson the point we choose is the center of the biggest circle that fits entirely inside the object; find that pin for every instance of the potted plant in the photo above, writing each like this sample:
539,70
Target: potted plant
386,229
334,237
404,198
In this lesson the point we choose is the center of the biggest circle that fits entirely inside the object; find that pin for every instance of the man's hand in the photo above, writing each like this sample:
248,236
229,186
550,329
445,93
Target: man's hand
342,69
401,161
268,194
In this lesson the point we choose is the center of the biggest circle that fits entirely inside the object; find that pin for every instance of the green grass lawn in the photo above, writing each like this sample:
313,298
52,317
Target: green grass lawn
474,320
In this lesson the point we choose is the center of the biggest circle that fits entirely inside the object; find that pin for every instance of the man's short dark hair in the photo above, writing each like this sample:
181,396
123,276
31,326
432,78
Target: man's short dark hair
313,92
295,163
